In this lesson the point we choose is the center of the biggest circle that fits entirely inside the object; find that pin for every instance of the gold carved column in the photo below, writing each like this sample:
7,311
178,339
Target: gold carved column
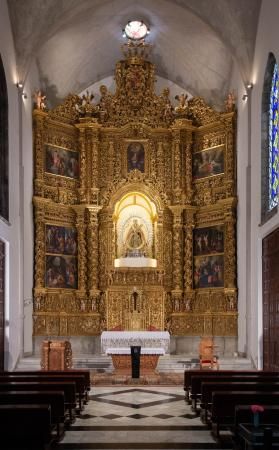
40,205
93,256
177,190
82,249
188,173
189,226
230,243
83,164
39,141
94,169
160,163
177,291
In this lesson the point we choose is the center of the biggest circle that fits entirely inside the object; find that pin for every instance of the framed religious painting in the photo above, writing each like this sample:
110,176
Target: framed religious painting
208,162
61,272
61,240
208,271
61,257
208,240
61,161
136,156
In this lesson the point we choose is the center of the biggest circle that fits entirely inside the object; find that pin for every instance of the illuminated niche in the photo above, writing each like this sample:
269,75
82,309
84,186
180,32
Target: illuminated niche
135,220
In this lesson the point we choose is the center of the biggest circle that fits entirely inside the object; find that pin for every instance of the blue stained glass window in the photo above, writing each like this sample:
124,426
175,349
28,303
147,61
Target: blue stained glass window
273,140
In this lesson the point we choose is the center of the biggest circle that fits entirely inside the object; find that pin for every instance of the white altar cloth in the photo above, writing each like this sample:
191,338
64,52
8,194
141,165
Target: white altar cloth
127,351
121,339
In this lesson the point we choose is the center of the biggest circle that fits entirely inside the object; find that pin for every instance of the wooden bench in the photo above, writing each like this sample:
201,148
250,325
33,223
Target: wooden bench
69,389
53,398
188,374
85,373
78,380
25,427
208,388
224,403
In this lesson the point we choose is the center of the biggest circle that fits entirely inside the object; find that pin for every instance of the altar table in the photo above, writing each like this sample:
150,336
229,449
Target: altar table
118,343
146,339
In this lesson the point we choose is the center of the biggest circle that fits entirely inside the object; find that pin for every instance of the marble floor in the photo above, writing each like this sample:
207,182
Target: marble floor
139,418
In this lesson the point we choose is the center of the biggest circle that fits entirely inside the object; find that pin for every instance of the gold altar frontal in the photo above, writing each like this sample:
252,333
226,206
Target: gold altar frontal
123,364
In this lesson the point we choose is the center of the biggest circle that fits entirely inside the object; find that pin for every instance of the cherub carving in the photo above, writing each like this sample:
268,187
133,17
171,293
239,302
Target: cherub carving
40,100
182,99
230,102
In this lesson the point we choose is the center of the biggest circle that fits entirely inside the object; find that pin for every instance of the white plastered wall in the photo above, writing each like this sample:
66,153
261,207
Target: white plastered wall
18,233
10,232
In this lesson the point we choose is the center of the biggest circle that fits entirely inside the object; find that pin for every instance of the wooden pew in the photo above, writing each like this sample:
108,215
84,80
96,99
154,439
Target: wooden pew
84,372
25,427
43,376
53,398
188,374
80,372
209,387
195,378
69,389
224,403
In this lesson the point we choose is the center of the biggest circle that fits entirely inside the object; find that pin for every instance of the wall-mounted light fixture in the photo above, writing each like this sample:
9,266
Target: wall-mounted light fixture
249,87
19,85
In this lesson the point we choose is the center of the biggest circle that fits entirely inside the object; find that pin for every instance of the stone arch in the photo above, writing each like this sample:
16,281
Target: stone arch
266,213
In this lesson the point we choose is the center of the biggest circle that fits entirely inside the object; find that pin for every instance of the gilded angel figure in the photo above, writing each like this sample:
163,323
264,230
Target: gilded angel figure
40,100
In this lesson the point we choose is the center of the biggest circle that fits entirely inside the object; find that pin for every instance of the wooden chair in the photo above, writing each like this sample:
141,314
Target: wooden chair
206,351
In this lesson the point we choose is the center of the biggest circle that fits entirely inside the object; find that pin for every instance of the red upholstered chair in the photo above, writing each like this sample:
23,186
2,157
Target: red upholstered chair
206,351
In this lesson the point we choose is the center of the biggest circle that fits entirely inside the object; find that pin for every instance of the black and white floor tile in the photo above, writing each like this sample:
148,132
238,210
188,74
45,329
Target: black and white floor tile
138,418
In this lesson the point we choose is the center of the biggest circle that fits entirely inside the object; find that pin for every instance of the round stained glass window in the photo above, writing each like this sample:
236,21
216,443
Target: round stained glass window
136,29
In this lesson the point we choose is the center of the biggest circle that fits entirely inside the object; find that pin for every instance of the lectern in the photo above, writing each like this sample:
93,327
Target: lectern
56,355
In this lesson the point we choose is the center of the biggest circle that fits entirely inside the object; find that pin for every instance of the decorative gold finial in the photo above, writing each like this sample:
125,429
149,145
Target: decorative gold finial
39,100
136,52
87,108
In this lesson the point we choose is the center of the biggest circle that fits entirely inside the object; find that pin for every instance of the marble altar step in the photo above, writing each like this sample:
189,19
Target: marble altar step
167,363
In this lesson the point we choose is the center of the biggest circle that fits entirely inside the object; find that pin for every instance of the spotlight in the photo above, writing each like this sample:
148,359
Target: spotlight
19,85
249,86
24,95
244,97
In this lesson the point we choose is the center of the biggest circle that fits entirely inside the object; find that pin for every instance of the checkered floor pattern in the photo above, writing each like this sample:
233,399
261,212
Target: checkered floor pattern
139,418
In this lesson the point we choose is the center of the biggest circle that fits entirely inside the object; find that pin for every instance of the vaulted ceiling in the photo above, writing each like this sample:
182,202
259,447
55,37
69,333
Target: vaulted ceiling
75,43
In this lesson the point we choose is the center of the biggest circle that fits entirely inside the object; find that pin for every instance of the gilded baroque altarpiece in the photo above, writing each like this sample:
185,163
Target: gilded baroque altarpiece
135,211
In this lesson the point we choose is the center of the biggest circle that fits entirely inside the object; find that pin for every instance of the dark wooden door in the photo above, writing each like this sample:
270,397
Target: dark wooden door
2,304
271,301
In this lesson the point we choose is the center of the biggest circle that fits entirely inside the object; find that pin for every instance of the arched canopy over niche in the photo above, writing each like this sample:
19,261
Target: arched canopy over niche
135,218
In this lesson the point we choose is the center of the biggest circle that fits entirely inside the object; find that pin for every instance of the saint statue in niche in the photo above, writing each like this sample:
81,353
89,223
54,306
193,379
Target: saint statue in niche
135,156
135,243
